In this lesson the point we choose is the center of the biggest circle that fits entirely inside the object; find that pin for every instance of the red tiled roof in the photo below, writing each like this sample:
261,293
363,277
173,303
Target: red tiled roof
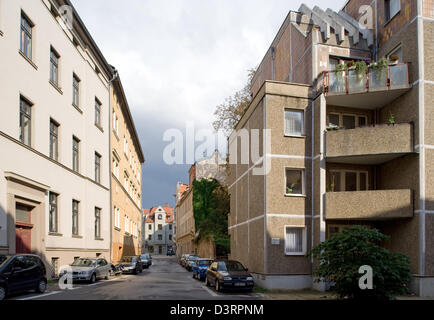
150,213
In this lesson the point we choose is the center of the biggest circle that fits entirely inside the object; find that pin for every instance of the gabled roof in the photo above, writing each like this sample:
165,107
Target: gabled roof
150,213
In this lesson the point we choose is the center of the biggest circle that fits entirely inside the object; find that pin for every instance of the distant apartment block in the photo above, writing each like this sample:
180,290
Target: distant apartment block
347,147
158,229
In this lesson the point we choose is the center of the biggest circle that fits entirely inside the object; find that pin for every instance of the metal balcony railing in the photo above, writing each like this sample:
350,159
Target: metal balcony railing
349,82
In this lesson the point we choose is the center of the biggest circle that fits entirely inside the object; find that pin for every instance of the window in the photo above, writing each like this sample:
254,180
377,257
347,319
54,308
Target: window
115,123
160,227
26,36
392,8
294,123
160,217
53,224
75,90
54,140
397,52
347,121
149,226
150,237
346,180
75,217
25,121
97,223
295,241
116,168
97,168
54,67
160,237
117,218
97,112
294,181
75,154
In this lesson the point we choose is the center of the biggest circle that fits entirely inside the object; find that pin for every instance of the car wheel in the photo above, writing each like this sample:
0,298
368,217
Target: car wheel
92,278
194,275
2,293
42,286
207,282
107,275
217,286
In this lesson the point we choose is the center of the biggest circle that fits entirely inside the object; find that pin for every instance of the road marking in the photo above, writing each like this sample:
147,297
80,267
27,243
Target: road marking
210,291
40,296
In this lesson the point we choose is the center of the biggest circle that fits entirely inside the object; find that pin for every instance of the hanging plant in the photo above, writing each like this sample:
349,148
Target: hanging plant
361,68
380,67
350,65
340,68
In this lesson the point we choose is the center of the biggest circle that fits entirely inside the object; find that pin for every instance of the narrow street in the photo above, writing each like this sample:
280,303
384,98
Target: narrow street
165,279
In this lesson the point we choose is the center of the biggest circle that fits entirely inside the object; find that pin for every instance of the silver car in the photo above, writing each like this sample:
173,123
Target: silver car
89,269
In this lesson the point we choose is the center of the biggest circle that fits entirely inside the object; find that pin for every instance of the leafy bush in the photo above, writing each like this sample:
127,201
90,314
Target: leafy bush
345,252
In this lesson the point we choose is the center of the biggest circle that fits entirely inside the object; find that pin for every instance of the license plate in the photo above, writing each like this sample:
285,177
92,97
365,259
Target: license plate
240,284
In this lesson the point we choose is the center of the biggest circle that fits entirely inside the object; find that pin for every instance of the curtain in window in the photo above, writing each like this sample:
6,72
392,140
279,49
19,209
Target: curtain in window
294,240
293,122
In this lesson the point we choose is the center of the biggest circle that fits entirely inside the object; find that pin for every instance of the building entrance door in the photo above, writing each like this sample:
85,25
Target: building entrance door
160,249
23,228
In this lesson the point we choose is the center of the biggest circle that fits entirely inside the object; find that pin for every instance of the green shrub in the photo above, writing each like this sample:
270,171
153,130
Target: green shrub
345,252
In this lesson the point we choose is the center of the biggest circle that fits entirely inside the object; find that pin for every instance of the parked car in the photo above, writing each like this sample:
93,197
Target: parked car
89,269
131,264
22,272
146,259
229,274
170,252
190,262
200,267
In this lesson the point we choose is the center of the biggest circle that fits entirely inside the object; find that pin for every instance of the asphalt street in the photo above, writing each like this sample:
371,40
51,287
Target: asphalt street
165,279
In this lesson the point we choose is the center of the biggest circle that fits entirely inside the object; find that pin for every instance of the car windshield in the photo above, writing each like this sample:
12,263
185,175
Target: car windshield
204,262
3,259
128,259
83,262
192,258
144,256
230,266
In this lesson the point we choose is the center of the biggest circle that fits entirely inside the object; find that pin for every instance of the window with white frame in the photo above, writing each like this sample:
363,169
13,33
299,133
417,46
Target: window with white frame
117,219
294,181
397,52
116,168
127,224
295,240
294,122
115,123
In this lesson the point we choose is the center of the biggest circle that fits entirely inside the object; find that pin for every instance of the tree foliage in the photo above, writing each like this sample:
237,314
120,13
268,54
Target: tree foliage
345,252
230,112
211,207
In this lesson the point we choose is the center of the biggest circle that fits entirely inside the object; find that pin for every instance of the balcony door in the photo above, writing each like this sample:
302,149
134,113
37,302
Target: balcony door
347,180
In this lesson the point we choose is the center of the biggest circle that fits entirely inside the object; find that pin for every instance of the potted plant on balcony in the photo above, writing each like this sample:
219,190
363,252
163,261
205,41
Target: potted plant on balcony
391,120
393,59
340,69
351,65
360,68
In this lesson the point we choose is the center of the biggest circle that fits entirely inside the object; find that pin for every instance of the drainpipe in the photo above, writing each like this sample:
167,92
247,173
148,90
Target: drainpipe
273,56
115,76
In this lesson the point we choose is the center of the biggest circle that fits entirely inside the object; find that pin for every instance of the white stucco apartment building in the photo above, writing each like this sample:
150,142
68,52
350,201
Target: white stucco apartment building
54,135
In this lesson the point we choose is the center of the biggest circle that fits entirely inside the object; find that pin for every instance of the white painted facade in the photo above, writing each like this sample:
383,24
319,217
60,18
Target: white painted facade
30,79
158,240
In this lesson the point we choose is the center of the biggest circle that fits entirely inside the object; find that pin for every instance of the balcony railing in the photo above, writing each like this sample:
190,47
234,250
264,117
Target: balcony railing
348,82
369,205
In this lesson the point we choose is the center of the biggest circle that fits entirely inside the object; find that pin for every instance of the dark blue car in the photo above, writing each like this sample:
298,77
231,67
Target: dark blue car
200,266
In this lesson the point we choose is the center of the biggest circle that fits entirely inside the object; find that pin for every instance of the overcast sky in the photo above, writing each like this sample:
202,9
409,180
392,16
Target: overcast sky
179,59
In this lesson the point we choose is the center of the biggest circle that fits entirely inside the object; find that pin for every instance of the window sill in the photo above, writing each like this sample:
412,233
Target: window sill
28,60
77,237
295,253
295,136
99,239
56,87
99,127
117,229
295,195
77,108
55,234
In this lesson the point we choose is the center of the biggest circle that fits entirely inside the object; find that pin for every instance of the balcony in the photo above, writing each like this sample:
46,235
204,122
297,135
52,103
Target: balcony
369,145
369,205
371,90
